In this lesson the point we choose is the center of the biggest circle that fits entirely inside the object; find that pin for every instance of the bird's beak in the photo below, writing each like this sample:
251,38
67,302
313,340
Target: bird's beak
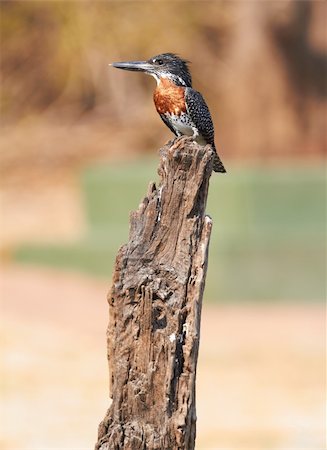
139,66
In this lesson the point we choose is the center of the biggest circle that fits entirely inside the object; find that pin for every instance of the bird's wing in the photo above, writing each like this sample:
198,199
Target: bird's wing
201,117
164,119
199,114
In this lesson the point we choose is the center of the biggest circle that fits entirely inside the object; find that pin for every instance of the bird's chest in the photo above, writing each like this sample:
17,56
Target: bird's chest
169,99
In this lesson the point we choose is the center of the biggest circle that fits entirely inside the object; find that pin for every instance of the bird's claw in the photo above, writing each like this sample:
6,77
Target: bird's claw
186,138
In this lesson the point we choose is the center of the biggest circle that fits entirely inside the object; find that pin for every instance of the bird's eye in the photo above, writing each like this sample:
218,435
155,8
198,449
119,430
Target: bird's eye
159,61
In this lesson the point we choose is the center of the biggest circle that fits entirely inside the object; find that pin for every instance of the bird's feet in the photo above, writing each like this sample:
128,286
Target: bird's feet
186,138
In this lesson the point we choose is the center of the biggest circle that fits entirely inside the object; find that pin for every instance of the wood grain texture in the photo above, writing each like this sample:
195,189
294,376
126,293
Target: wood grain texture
155,309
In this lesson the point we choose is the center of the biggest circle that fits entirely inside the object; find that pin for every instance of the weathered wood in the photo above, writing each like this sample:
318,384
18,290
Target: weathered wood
155,309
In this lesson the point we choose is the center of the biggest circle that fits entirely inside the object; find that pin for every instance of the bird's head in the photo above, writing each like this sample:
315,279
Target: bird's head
165,65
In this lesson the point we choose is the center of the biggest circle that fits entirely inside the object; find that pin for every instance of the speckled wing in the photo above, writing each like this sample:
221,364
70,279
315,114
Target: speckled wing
199,113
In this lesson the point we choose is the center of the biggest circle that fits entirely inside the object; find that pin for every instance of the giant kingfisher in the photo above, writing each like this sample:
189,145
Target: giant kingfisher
182,108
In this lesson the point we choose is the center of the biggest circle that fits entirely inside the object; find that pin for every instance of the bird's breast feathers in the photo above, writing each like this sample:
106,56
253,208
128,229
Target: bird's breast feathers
169,98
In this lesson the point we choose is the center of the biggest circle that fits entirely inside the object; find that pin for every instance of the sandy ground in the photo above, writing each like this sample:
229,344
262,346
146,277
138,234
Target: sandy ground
260,382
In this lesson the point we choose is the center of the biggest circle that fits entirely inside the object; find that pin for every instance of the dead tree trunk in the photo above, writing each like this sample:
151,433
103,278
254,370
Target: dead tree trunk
155,309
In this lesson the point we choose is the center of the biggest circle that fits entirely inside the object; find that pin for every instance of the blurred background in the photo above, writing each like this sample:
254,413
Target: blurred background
79,146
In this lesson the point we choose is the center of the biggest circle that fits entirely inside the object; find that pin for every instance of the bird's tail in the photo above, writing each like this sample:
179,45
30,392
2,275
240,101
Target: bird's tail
218,166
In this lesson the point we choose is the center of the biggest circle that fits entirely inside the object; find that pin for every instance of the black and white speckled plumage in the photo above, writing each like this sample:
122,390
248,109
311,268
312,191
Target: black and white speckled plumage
179,124
199,113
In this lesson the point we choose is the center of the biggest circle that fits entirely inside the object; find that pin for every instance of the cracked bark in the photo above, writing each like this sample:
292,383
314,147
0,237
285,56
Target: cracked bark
155,309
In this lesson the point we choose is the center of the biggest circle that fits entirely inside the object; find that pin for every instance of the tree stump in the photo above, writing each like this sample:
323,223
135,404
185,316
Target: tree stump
155,309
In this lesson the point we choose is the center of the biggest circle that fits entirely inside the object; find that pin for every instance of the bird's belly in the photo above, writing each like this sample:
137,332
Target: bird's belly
184,125
183,129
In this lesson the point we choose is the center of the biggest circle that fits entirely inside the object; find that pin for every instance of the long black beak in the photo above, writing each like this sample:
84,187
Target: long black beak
139,66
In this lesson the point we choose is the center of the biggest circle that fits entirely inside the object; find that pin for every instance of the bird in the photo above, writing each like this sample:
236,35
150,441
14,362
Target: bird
182,108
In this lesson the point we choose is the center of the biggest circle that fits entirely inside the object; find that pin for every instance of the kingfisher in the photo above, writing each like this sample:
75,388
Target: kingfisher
182,108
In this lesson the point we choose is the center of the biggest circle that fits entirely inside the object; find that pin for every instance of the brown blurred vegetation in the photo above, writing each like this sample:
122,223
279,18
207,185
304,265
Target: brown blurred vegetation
260,65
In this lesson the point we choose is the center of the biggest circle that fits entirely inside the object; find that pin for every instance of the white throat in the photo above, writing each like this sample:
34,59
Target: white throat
165,75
